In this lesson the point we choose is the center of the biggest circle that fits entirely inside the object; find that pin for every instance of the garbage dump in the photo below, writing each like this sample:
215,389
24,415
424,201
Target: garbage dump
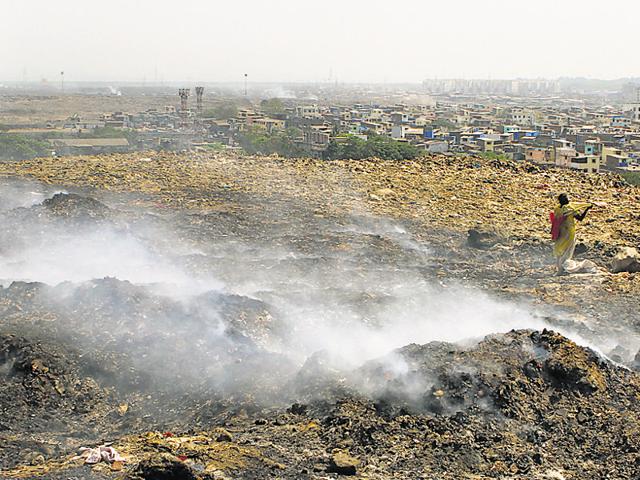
265,337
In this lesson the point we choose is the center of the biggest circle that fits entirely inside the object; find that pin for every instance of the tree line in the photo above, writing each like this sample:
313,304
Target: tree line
378,146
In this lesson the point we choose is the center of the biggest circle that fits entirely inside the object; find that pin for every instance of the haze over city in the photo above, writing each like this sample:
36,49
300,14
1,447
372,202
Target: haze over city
305,240
297,41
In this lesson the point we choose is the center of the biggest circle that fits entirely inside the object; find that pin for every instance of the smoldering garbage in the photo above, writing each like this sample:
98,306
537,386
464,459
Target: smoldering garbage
512,405
205,378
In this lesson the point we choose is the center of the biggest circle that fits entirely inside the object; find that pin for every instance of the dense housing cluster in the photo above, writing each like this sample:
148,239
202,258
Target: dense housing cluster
539,121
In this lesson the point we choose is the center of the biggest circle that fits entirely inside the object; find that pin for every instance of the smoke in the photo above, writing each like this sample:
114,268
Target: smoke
278,92
86,255
191,302
39,248
23,193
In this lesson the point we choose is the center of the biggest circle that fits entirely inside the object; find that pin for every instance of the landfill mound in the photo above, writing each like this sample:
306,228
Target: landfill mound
454,193
525,404
457,192
110,316
212,383
73,205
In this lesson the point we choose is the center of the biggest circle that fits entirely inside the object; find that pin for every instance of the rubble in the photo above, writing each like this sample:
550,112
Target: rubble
483,240
514,403
163,466
73,205
343,464
626,260
459,193
518,404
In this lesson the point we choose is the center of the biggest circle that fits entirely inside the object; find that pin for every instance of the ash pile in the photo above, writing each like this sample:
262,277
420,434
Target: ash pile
208,383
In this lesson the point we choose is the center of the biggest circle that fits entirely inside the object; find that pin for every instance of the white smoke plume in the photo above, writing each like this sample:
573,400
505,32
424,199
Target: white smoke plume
354,291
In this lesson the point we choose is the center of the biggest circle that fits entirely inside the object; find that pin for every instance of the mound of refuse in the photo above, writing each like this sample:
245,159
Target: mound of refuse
512,373
142,337
523,404
154,377
48,391
72,205
40,376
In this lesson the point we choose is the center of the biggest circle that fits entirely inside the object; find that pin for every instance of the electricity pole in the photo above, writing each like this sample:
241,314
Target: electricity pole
245,84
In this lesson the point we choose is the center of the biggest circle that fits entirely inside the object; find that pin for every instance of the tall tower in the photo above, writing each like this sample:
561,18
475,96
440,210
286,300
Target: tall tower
199,93
184,95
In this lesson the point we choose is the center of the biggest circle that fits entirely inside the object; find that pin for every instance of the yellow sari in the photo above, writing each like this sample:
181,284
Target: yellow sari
566,242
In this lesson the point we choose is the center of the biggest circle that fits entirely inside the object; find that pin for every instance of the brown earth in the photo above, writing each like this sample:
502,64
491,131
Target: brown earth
448,194
443,192
523,404
30,109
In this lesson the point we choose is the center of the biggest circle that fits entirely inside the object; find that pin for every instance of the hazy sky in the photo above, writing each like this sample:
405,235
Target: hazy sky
297,40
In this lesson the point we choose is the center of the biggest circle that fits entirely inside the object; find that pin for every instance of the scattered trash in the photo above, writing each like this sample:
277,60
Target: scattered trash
580,266
102,453
627,259
547,388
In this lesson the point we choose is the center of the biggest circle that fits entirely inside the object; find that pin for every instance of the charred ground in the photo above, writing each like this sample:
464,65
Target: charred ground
103,359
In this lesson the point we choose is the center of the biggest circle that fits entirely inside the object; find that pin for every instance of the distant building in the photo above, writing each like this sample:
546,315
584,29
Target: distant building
487,144
316,138
564,156
591,147
539,155
633,110
620,121
436,146
614,158
89,146
521,116
585,163
117,120
307,111
268,124
399,118
406,131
